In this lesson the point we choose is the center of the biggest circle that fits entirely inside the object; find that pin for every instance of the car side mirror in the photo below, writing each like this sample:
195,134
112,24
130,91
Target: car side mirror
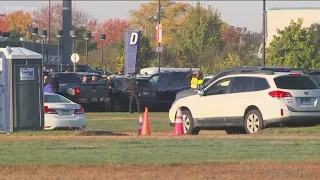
201,92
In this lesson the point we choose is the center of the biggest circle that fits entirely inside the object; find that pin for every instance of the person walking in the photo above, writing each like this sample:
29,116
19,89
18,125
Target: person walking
133,93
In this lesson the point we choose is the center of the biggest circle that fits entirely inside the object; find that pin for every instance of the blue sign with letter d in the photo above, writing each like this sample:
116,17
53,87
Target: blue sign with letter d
132,40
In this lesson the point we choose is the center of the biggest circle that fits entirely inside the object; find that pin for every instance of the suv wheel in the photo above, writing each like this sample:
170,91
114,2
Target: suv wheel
253,121
188,123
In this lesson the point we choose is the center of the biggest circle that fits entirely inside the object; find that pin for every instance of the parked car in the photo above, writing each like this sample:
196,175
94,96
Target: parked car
91,96
263,98
61,113
147,95
167,85
189,92
315,76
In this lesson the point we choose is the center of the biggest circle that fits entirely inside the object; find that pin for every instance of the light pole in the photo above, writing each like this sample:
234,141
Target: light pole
102,38
73,34
43,35
264,34
59,35
159,44
87,37
34,32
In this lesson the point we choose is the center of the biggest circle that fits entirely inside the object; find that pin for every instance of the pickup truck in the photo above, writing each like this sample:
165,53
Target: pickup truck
91,96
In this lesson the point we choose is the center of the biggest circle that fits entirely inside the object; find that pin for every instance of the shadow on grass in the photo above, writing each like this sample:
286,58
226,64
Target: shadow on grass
101,133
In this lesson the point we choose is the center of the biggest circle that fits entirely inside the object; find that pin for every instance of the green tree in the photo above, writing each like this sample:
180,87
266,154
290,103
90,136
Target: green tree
201,33
293,47
146,54
315,31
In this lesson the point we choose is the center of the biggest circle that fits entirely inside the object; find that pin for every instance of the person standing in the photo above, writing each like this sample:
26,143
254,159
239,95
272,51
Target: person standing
133,93
196,80
48,84
110,85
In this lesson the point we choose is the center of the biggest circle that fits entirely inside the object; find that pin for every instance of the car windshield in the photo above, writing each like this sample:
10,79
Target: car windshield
295,82
55,99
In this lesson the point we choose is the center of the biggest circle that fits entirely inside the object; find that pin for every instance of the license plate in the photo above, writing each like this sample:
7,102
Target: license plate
145,93
65,112
94,99
306,101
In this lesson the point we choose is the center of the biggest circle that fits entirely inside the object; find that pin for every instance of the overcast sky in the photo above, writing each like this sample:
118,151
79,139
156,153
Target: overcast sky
238,13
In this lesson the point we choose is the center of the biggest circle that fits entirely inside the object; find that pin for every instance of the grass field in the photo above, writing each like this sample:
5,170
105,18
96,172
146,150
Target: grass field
278,153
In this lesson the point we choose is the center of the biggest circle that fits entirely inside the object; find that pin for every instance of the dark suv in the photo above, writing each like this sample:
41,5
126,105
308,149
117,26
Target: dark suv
147,95
167,85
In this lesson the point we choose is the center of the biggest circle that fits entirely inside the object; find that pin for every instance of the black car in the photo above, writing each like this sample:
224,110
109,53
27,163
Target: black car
121,90
167,85
315,76
91,95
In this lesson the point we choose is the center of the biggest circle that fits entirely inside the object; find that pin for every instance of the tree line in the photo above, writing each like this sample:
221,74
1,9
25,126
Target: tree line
193,36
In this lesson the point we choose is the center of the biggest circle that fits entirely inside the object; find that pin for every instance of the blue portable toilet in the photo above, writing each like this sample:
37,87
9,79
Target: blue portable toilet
21,90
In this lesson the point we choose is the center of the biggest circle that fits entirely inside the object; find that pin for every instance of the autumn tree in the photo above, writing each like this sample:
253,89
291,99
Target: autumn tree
201,33
113,28
293,47
171,14
18,22
230,36
3,26
80,19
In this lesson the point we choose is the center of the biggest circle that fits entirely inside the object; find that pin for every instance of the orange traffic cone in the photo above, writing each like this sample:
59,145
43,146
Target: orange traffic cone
145,130
178,125
140,125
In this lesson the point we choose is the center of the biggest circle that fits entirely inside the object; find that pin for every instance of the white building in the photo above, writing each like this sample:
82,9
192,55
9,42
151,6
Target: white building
281,17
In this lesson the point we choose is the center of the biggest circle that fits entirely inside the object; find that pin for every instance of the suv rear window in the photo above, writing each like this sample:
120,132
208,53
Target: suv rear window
143,83
295,82
65,78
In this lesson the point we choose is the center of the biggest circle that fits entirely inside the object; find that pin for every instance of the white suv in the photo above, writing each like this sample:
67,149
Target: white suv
249,102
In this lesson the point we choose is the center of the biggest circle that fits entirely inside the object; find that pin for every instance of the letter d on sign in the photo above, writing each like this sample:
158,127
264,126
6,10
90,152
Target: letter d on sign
134,38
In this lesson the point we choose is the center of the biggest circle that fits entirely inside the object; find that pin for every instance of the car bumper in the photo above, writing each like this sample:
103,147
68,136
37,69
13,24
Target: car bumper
296,118
52,122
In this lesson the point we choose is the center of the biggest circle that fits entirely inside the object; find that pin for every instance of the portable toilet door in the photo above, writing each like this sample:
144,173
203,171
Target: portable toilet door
26,84
4,96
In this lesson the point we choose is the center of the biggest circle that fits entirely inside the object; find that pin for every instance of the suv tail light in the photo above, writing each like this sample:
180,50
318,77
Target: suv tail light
128,89
47,110
77,91
279,94
79,111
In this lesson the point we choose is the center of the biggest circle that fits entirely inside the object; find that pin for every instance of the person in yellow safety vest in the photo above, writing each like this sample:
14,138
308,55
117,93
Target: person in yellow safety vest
196,80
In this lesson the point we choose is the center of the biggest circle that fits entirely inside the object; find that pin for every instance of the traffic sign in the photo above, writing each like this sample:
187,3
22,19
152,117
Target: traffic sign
159,33
159,49
75,57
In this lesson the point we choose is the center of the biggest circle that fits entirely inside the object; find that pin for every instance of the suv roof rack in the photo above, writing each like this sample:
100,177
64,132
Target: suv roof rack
261,70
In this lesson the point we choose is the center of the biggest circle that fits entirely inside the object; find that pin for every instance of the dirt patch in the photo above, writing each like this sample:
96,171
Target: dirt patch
306,170
154,136
101,133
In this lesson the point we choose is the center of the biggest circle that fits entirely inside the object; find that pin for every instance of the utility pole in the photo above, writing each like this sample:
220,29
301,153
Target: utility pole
49,21
264,34
159,44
